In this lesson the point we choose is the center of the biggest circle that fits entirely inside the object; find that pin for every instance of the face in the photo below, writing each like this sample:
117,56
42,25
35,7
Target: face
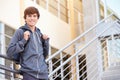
31,19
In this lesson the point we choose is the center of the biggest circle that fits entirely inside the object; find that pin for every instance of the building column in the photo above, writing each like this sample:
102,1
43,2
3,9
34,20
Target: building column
89,13
73,35
72,23
22,7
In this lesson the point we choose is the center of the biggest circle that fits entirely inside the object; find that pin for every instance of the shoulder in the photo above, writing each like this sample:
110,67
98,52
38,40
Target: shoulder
18,33
38,30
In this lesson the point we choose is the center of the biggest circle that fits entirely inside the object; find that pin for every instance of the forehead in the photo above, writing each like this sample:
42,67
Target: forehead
32,14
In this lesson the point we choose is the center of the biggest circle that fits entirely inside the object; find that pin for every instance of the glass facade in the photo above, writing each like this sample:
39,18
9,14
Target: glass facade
114,52
110,50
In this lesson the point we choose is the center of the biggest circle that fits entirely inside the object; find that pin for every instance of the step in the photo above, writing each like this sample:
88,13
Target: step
111,77
114,68
113,73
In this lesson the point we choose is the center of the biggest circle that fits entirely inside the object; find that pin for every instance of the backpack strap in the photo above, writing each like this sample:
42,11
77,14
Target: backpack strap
23,32
45,44
17,55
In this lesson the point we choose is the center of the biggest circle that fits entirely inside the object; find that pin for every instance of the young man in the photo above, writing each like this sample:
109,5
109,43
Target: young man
29,44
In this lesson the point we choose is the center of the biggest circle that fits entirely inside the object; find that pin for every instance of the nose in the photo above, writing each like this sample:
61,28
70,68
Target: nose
32,17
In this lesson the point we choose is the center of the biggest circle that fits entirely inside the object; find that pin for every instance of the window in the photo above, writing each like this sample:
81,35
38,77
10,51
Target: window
7,33
110,50
58,9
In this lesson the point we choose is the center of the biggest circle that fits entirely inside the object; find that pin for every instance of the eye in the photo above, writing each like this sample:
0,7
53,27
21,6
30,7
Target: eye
35,15
32,15
29,15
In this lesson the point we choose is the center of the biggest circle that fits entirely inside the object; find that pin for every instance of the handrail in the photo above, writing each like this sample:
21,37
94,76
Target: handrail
6,57
8,69
80,50
116,16
62,49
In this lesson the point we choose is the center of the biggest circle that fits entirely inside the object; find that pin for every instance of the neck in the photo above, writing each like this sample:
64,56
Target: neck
32,28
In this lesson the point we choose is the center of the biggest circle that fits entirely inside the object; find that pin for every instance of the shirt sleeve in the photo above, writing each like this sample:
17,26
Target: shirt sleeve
17,43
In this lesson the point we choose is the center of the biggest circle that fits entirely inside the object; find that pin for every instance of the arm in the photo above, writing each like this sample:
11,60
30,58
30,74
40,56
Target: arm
46,48
45,42
17,43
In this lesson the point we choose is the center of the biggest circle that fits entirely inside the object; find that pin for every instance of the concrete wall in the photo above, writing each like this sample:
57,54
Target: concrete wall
89,13
10,12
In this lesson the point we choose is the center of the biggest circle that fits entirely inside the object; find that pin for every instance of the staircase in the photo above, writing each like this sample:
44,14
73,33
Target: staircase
112,73
87,57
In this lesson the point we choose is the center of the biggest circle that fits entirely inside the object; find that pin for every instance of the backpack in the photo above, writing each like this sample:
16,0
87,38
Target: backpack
16,56
45,44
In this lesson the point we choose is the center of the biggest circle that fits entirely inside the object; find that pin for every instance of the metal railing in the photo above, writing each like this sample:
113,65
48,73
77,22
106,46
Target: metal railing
8,71
110,47
78,58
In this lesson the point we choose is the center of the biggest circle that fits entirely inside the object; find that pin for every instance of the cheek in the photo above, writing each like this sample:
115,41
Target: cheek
36,20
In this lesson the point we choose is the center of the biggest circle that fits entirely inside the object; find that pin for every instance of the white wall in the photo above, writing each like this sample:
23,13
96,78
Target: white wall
10,12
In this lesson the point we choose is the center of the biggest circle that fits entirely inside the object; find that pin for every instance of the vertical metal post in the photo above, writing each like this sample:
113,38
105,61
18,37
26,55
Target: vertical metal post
113,61
77,63
3,38
2,42
105,8
50,63
61,61
98,10
77,67
107,45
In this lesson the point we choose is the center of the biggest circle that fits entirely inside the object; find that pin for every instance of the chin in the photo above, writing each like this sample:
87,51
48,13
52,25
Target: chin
32,24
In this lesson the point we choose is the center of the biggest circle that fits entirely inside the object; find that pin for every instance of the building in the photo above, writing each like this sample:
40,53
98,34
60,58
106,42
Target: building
80,45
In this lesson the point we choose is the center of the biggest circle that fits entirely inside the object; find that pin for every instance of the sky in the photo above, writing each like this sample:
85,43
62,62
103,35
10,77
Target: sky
114,5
